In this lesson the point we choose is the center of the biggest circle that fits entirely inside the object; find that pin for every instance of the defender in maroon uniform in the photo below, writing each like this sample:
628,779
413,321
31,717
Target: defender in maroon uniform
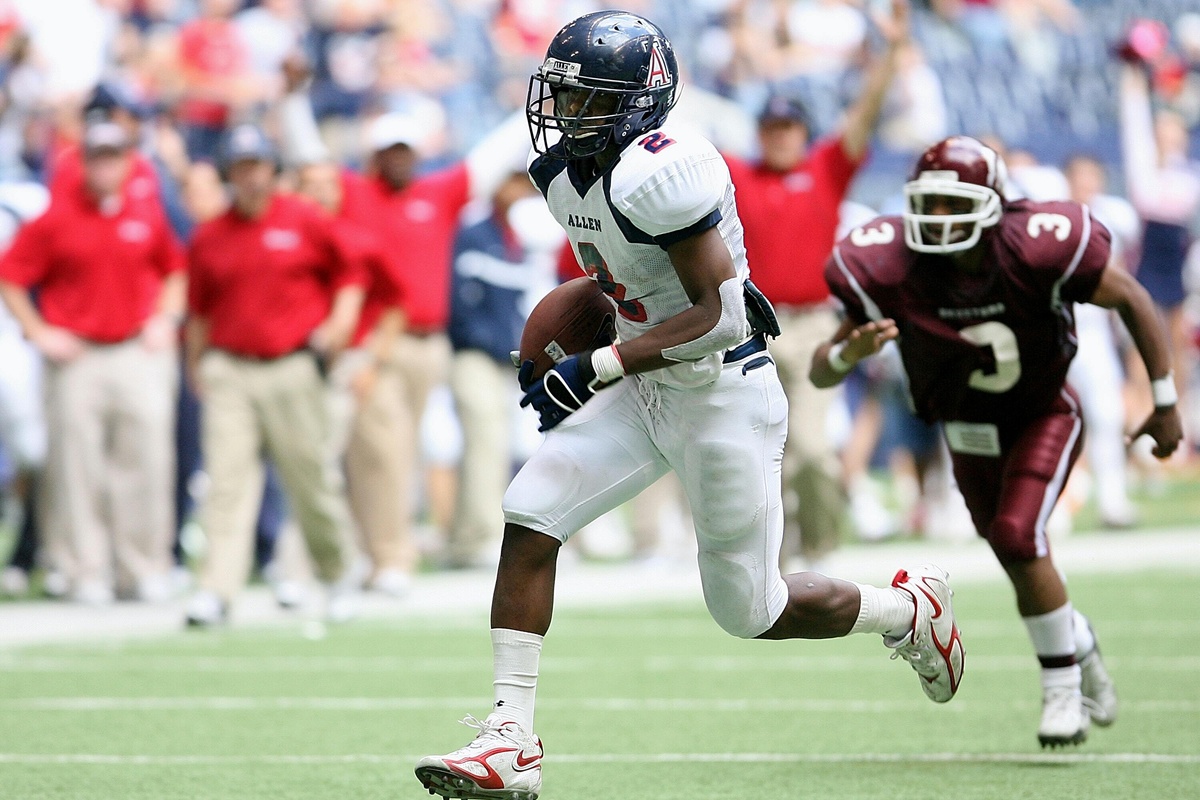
979,294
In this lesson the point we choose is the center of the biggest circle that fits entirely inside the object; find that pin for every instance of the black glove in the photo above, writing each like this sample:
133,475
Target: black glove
562,390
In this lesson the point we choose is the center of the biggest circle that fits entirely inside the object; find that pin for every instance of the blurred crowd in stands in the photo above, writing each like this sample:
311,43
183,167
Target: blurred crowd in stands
159,411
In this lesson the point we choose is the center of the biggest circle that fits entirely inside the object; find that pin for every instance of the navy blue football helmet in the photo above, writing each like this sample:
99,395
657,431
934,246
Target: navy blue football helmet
608,77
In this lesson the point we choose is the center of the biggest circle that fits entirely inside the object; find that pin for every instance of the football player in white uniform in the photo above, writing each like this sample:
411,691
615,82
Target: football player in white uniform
689,387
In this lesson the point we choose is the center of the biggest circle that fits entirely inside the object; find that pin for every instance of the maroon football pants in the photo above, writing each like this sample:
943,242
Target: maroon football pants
1010,496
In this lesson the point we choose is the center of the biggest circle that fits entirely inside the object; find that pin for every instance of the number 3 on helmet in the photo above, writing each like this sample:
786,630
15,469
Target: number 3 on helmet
608,77
956,191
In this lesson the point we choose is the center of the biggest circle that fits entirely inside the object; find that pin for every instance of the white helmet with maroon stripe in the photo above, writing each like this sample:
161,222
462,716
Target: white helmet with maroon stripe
956,191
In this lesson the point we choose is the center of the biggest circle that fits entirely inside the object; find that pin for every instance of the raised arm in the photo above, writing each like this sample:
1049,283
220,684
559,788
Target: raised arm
1138,148
502,152
300,138
863,116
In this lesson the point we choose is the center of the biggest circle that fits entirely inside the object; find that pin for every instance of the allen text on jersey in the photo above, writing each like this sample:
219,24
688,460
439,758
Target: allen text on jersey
579,221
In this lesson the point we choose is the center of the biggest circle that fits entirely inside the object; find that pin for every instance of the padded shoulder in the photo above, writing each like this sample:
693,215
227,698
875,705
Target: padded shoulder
1053,236
668,181
869,266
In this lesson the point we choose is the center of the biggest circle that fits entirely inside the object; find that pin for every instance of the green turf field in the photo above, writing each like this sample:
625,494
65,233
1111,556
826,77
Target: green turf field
639,703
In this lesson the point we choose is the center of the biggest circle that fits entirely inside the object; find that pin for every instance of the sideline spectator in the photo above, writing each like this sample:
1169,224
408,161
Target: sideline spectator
789,203
415,216
272,297
217,81
1096,372
1164,187
491,277
22,417
110,283
367,398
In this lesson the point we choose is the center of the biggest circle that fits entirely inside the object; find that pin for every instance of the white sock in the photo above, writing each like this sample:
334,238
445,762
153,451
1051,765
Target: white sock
1053,635
1085,640
1070,677
515,666
888,611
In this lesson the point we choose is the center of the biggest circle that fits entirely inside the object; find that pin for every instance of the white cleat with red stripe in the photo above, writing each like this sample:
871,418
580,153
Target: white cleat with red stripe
503,762
934,646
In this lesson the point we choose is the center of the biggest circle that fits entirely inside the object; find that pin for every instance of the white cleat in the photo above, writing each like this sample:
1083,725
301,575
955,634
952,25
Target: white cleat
1099,693
503,762
934,647
1064,719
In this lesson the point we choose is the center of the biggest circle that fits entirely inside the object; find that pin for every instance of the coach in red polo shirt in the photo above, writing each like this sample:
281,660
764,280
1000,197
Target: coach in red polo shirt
416,217
272,294
109,279
788,203
369,417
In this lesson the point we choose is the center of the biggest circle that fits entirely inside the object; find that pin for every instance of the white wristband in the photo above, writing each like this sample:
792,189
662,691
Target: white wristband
607,364
1164,392
840,365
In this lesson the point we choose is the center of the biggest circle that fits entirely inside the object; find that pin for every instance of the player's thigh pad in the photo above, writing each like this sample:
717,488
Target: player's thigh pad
726,443
1034,474
594,461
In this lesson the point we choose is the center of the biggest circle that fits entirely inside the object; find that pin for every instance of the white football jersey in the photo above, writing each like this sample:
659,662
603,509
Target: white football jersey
667,185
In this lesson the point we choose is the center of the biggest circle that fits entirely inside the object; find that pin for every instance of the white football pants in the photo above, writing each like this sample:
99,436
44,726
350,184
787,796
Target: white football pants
724,441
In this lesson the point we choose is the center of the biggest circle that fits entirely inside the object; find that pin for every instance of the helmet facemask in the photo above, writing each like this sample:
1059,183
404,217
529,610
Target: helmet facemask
584,116
942,233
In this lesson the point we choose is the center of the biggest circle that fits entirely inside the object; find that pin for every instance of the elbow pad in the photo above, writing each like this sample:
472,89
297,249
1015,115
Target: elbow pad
731,327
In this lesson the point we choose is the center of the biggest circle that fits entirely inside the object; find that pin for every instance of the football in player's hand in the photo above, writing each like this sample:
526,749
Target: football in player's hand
573,317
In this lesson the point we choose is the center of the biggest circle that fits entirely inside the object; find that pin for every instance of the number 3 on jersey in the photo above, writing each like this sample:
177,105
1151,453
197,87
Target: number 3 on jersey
1003,343
596,267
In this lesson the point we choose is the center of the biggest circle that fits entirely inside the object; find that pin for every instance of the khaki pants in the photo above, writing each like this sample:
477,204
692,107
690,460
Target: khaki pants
280,406
420,363
813,496
376,455
483,391
107,498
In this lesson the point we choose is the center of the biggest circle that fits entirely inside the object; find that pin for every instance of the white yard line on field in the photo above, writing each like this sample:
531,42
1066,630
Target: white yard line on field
615,704
133,662
619,758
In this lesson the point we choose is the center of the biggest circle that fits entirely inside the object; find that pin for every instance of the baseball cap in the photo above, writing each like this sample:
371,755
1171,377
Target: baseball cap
104,135
247,142
395,128
110,95
781,108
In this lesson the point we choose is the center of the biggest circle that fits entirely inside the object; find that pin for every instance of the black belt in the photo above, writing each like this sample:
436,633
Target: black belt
755,344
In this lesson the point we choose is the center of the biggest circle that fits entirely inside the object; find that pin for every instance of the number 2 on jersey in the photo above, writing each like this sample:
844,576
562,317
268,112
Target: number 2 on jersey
596,266
656,142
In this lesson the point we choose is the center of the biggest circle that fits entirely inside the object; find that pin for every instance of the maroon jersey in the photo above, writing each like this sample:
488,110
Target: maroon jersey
990,347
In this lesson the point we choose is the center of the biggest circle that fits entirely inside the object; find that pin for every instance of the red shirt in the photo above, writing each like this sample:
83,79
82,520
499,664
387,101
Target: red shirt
790,220
383,293
98,275
417,226
265,284
214,49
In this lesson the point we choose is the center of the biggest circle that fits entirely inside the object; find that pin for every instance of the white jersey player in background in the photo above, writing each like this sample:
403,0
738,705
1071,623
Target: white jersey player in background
650,214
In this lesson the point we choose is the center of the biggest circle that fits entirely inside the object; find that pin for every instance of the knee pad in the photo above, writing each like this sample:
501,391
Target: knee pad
734,593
